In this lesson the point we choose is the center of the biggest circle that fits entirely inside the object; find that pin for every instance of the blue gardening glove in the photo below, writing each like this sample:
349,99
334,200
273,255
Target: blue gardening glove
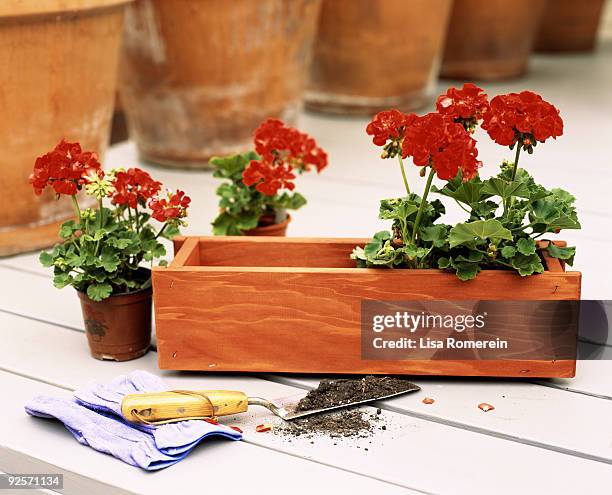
95,420
170,438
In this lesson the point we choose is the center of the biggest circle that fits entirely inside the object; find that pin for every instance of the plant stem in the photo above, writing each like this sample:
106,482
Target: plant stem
417,221
137,220
161,230
401,164
77,210
100,213
462,207
516,159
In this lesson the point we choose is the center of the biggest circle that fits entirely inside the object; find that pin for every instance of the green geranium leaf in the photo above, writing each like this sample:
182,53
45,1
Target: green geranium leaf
526,246
527,265
118,243
376,244
231,166
508,251
109,259
46,259
437,234
479,230
563,253
61,280
67,229
467,271
98,292
496,186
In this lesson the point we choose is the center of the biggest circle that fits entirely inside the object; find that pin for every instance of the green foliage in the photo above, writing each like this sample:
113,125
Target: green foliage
102,252
241,206
506,217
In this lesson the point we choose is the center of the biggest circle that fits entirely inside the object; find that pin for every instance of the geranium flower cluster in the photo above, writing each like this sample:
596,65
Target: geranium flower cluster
465,106
173,207
65,168
283,150
133,187
442,143
522,117
433,139
442,139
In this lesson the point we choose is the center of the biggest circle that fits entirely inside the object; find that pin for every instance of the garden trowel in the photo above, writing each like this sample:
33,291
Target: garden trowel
180,405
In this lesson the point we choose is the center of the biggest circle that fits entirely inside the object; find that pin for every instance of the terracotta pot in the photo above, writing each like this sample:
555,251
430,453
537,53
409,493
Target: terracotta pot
118,328
58,71
490,39
569,27
268,228
199,76
374,54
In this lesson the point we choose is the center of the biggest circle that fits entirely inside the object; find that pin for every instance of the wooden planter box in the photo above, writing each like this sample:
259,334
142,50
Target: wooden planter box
275,304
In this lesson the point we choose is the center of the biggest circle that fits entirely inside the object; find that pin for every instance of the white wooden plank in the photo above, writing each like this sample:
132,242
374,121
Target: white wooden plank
30,445
412,452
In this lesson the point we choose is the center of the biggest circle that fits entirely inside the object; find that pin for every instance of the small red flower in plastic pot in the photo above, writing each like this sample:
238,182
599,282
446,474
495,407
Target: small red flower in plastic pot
257,194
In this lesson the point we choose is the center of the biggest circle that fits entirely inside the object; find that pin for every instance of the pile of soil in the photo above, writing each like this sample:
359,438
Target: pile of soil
353,422
350,423
332,393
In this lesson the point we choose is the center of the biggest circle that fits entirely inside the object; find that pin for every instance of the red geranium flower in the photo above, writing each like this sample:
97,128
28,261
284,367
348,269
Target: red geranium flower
282,149
466,106
523,117
134,186
174,207
442,143
388,125
268,178
65,168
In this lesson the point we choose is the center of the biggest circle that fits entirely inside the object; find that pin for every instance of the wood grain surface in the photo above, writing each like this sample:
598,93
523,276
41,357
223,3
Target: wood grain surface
229,313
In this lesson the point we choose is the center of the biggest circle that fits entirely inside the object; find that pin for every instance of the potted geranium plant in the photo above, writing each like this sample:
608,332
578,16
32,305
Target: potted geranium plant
507,213
256,193
104,251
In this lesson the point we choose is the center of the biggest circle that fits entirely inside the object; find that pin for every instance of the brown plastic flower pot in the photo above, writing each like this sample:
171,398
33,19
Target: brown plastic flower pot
568,27
198,76
374,54
118,328
268,228
491,39
58,71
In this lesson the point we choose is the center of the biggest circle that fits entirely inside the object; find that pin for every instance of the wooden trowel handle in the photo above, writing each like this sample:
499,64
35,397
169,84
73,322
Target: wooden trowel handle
160,407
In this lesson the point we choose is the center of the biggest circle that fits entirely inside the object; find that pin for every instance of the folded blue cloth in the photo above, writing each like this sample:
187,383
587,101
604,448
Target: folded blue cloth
94,417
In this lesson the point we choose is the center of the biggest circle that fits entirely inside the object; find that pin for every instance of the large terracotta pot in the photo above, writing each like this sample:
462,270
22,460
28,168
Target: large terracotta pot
490,39
198,76
58,70
568,26
374,54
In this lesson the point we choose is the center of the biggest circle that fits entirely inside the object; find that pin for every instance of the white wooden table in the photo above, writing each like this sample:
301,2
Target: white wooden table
543,437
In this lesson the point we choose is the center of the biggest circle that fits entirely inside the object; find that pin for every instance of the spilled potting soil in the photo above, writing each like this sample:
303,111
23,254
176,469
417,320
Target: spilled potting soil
332,393
348,423
345,423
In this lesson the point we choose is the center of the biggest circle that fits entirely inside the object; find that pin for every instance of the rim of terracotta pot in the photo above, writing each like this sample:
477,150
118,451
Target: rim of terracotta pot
124,297
274,226
17,8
